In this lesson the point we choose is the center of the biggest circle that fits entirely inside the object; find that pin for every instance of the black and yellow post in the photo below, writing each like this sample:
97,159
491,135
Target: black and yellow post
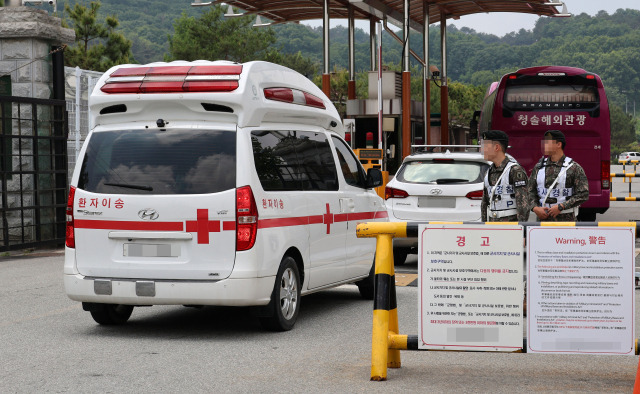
381,309
386,342
385,308
624,165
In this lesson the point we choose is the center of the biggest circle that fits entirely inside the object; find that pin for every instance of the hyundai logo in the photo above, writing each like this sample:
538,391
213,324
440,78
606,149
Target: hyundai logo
435,191
148,214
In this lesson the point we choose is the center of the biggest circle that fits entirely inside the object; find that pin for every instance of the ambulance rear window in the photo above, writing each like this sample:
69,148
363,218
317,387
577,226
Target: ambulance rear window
159,162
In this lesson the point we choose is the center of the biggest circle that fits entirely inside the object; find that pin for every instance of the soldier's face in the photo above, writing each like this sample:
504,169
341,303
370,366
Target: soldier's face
549,147
489,149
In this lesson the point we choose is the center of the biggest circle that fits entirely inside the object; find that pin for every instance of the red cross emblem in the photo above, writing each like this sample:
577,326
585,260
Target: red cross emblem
203,226
327,219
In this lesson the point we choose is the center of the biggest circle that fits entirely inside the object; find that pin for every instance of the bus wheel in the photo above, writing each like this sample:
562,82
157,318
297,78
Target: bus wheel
285,299
111,314
586,215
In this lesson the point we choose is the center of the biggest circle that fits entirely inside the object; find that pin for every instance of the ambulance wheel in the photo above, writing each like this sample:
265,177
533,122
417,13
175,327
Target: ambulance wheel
111,314
366,286
285,299
399,256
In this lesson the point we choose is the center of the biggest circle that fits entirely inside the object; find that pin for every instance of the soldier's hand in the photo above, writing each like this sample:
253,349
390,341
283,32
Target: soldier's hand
541,212
553,211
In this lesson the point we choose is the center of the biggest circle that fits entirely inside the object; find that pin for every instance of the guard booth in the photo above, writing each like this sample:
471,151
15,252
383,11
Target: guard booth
364,112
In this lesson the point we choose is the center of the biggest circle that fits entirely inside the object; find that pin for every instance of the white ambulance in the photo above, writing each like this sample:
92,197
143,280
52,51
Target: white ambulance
215,183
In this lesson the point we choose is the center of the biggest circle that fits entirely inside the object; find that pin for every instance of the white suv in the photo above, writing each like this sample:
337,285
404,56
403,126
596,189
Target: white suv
435,187
627,156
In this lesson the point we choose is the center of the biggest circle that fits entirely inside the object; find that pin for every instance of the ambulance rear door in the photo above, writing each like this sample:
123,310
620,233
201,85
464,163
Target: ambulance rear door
157,204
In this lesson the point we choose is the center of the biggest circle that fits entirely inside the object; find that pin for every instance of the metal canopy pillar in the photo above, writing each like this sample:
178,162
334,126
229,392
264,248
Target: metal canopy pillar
406,87
372,42
426,83
351,85
326,77
444,89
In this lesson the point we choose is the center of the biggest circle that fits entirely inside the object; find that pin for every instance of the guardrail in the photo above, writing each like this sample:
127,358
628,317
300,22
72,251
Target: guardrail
386,342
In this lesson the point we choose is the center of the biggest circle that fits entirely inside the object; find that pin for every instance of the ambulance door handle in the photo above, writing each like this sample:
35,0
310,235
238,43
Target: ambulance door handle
347,205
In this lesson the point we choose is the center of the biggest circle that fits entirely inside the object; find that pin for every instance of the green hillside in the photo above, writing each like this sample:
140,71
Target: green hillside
608,45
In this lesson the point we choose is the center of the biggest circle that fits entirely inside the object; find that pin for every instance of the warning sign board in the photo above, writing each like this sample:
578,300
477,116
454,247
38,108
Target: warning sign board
471,287
580,289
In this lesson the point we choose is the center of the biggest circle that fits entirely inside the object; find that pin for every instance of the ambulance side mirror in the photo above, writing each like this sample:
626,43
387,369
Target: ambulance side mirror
374,178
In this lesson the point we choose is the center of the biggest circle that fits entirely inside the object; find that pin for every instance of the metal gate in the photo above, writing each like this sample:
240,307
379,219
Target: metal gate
33,168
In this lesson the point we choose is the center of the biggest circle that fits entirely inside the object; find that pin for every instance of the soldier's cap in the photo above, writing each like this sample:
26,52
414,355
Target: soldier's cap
496,135
555,135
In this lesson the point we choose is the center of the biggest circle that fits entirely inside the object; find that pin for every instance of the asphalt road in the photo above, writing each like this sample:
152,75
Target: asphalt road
49,344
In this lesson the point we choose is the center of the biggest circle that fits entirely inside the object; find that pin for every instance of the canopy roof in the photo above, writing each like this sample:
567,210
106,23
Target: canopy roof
281,11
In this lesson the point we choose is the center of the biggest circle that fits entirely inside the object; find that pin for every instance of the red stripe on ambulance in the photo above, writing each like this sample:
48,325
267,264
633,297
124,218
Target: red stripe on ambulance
127,225
202,226
284,222
327,218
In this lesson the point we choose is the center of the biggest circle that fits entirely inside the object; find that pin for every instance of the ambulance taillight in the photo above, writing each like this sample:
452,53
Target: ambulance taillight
246,218
70,239
294,96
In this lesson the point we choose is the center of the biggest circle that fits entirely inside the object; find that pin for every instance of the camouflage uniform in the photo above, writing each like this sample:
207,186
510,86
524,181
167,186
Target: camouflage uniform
517,178
576,179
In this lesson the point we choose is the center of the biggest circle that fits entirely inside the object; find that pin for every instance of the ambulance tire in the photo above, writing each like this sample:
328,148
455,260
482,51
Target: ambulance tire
399,256
111,314
284,307
366,286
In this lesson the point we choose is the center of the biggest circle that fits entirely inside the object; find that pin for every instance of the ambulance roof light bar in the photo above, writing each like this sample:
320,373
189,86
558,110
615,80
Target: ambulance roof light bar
294,96
173,79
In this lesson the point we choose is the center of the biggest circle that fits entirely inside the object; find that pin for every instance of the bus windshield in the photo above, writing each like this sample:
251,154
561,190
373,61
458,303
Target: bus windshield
543,93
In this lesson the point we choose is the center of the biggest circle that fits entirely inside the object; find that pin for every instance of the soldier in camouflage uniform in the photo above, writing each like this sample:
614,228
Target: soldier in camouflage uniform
505,197
556,193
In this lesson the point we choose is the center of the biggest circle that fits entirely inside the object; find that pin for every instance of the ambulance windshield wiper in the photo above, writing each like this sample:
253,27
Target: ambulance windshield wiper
137,187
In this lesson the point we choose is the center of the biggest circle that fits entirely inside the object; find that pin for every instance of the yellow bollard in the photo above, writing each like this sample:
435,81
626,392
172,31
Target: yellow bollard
381,305
393,360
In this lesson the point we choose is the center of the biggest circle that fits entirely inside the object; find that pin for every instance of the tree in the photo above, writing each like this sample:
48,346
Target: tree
211,36
463,101
623,132
98,46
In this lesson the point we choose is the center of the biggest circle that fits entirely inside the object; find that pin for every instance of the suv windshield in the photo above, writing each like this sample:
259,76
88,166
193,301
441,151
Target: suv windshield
442,172
159,162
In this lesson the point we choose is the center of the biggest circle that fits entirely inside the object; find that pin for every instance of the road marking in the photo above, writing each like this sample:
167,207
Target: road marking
406,279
